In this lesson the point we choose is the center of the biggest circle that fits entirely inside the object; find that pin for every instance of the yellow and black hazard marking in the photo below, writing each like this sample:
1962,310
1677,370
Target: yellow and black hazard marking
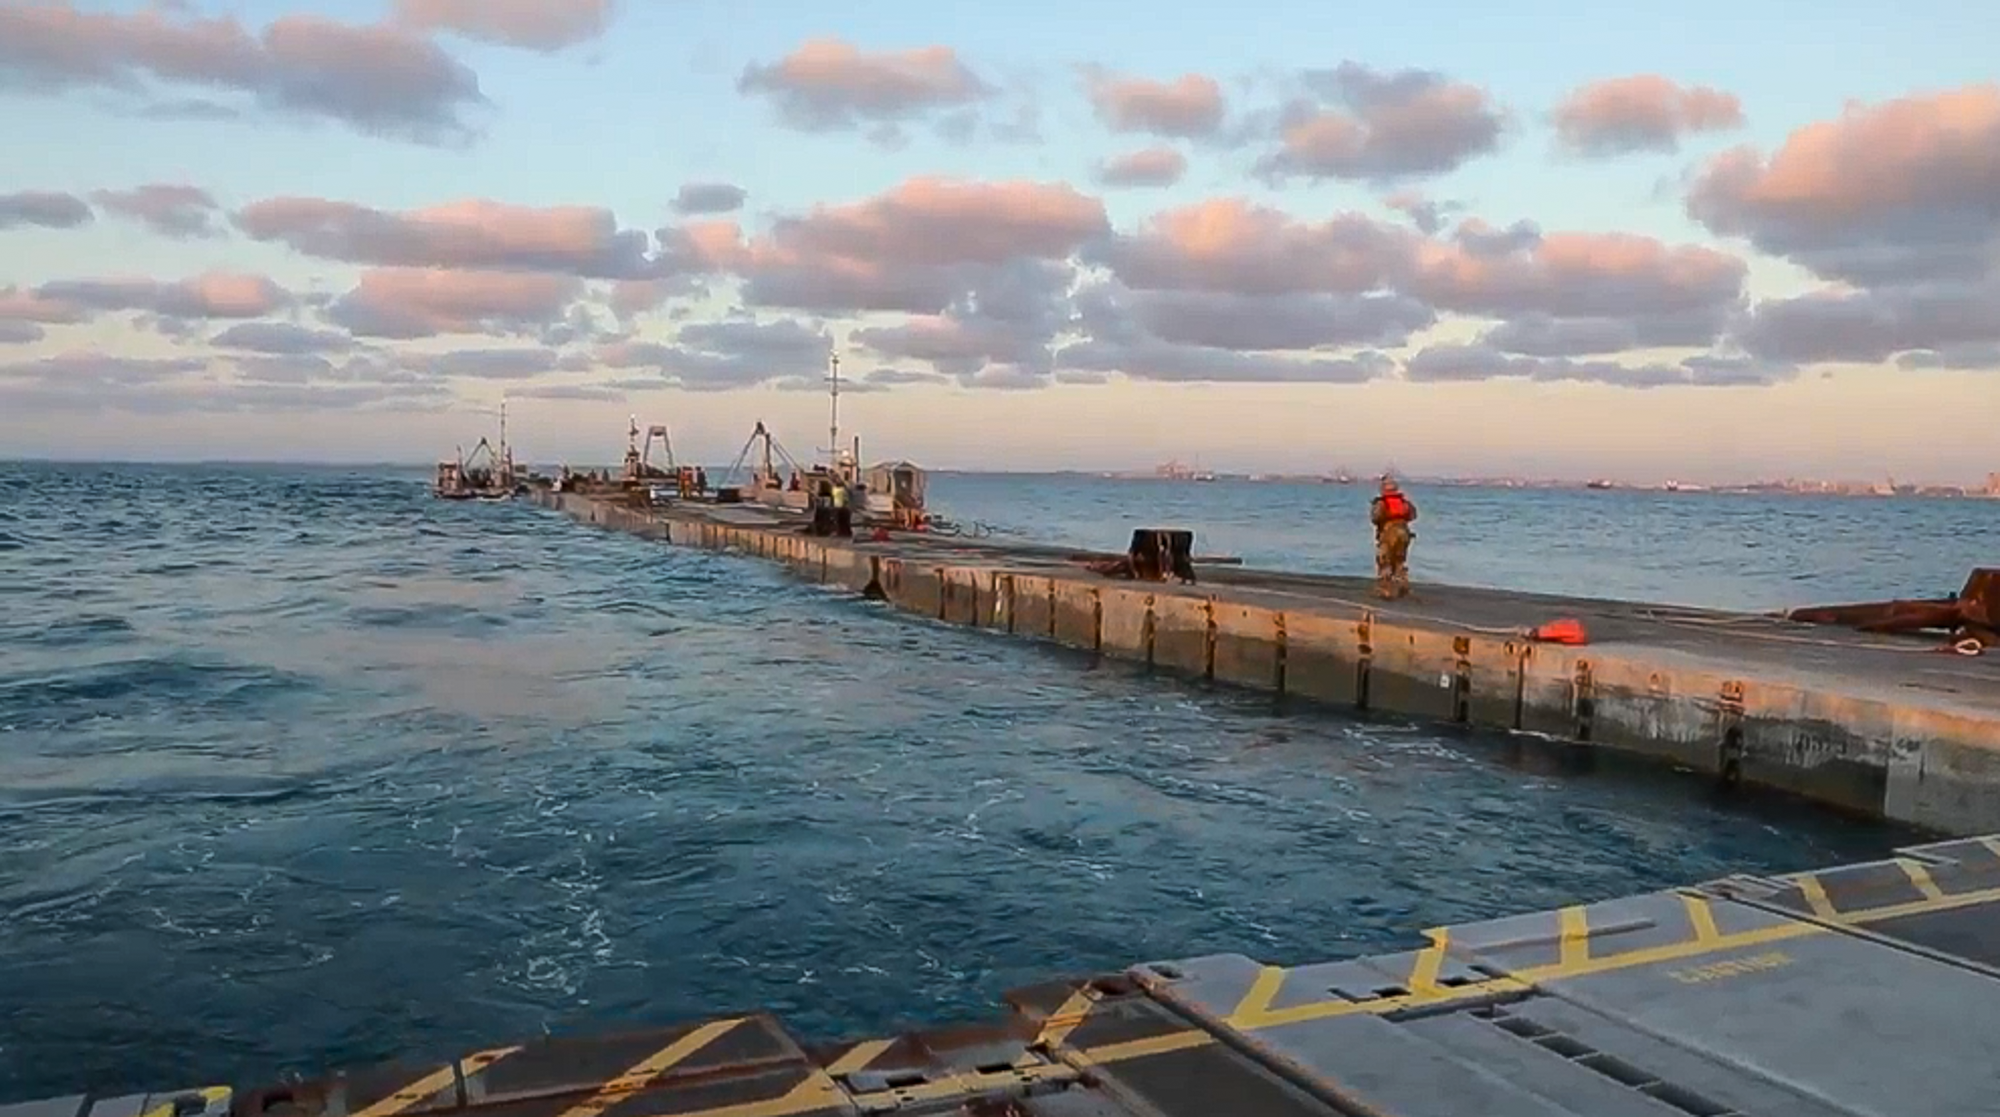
207,1101
382,1091
561,1066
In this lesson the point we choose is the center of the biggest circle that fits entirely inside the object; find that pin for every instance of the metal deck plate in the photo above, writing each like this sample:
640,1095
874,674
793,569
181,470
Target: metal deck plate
1863,990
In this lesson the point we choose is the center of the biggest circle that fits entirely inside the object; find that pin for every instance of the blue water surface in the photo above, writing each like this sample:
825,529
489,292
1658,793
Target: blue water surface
301,768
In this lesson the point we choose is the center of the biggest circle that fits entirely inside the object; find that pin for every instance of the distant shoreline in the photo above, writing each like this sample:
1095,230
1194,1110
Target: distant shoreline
1857,490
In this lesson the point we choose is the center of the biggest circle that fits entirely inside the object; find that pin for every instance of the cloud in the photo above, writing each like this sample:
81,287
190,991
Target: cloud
1446,363
1359,124
181,212
1291,321
44,208
1896,192
731,354
17,332
1893,204
211,295
1430,217
828,85
1537,334
901,376
93,382
474,233
1573,275
709,197
592,393
376,79
1644,112
83,367
544,25
33,306
281,338
519,363
405,303
958,346
1873,325
1153,166
1189,107
930,245
1233,245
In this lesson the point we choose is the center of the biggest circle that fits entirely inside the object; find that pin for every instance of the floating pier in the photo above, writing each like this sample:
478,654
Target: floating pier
1881,726
1867,990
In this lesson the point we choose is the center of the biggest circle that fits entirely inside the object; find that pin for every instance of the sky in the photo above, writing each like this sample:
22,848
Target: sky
1750,239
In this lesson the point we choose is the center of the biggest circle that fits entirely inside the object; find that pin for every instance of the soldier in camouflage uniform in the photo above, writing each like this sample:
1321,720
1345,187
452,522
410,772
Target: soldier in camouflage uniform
1392,513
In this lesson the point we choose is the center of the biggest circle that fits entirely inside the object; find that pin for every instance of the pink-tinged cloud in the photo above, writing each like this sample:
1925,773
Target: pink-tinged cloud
1577,275
533,24
1190,106
830,84
1896,192
932,220
171,210
47,209
1644,112
376,79
1364,125
478,234
1152,166
211,295
33,306
1232,245
428,302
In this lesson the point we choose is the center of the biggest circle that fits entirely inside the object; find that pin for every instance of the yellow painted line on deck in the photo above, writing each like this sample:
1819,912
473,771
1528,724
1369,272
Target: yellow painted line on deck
1430,962
1140,1048
210,1095
1701,917
1920,876
818,1091
648,1070
1067,1019
1526,978
1574,924
858,1057
1055,1029
1816,897
428,1087
1262,992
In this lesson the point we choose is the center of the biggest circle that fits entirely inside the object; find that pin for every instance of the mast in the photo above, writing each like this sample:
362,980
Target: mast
833,418
506,455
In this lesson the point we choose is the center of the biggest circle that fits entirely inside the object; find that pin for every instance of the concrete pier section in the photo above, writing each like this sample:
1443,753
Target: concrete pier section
1867,990
1880,726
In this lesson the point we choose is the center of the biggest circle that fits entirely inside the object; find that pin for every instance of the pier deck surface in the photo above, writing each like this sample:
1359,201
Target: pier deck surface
1910,668
1866,990
1889,727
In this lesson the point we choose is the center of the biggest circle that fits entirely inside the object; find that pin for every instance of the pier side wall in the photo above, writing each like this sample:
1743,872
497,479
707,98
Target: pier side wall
1905,762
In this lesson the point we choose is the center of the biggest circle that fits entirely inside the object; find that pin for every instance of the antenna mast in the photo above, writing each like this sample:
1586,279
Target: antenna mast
833,423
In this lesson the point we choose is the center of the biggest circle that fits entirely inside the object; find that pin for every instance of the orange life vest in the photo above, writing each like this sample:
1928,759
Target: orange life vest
1396,507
